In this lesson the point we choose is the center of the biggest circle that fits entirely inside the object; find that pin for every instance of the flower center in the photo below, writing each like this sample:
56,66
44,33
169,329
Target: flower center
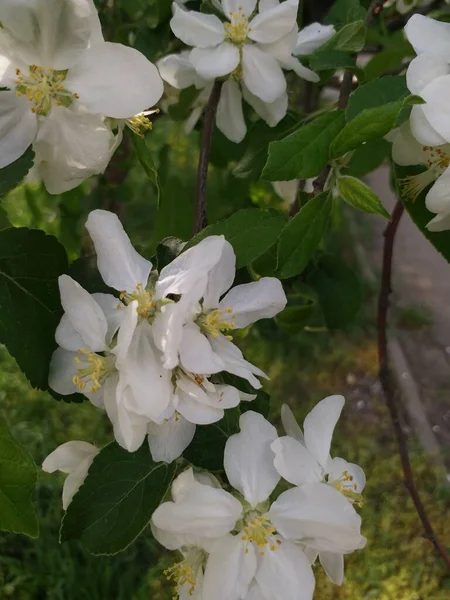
184,573
238,29
346,485
146,306
141,123
437,162
93,370
42,87
216,321
259,530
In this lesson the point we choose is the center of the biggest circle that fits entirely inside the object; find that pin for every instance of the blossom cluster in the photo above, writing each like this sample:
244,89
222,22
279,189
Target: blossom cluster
69,93
246,46
425,139
149,356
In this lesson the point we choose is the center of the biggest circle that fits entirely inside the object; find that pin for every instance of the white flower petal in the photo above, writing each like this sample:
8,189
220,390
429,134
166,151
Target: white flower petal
423,69
436,109
438,198
286,573
196,29
294,462
120,266
422,129
439,223
230,117
220,278
234,360
126,333
203,511
190,268
333,565
248,459
194,404
230,569
271,25
68,456
74,481
178,71
115,80
67,336
406,150
424,33
215,62
250,302
319,425
282,49
169,440
196,353
113,311
262,74
254,592
84,314
290,425
63,368
267,5
319,516
313,36
302,71
336,468
236,6
168,330
18,127
271,112
51,33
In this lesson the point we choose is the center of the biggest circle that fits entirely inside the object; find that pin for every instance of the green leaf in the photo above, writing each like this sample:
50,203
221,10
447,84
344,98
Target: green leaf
183,108
359,195
297,314
207,448
344,11
117,499
322,60
305,152
168,250
146,160
84,270
176,210
261,404
250,231
349,38
419,212
17,484
338,290
376,93
368,157
30,307
302,235
260,135
369,125
385,60
13,174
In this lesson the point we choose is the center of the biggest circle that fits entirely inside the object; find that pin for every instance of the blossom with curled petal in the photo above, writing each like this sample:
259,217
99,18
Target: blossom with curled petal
73,458
303,458
63,79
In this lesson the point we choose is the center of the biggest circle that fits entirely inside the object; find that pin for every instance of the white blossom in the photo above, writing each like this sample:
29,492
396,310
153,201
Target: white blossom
63,80
73,458
303,458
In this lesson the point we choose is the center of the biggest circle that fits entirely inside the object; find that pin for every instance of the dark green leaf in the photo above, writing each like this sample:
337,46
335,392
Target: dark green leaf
419,212
385,60
345,11
84,270
13,174
30,307
168,250
359,195
376,93
250,231
350,38
297,314
302,235
260,404
183,108
338,290
176,210
17,484
368,157
207,448
146,160
305,152
117,499
322,60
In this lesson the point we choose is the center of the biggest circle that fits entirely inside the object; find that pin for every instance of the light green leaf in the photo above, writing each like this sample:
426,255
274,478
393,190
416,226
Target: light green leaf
359,195
117,499
302,235
13,174
349,38
146,160
250,231
17,484
30,306
304,153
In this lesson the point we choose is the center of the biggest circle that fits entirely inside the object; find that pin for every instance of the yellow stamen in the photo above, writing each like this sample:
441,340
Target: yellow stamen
141,123
237,30
411,187
213,322
146,306
185,572
260,531
93,370
43,87
346,486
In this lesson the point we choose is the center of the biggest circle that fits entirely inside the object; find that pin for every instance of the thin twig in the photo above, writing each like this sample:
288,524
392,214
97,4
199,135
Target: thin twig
386,380
203,162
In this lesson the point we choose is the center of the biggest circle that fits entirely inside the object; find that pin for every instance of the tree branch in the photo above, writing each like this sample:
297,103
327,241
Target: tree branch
389,388
203,162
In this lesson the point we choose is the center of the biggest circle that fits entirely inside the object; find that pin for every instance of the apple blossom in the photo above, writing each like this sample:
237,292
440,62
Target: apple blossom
304,459
73,458
406,150
63,80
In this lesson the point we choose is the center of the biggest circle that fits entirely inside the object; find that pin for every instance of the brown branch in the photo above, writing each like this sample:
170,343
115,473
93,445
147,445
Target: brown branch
387,383
203,162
